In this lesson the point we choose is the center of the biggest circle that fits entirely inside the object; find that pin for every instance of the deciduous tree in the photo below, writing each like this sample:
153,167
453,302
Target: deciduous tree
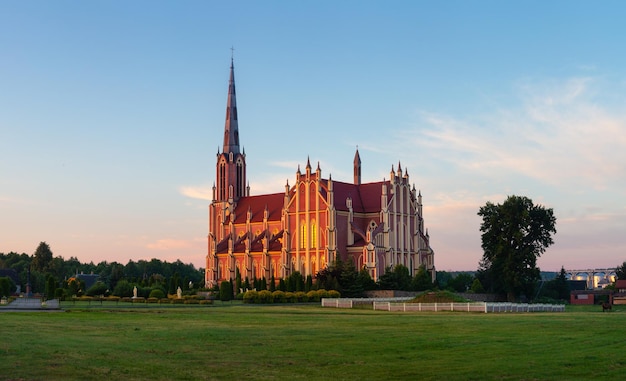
42,258
514,234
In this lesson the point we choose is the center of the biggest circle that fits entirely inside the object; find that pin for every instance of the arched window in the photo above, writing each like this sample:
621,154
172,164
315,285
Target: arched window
302,235
313,234
222,181
239,192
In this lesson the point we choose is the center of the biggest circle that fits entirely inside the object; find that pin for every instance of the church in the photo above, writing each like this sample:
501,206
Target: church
313,222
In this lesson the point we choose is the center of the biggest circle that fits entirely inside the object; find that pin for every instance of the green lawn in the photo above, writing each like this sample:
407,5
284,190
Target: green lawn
247,342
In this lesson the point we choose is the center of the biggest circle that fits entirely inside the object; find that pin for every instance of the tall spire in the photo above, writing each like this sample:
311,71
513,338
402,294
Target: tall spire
231,163
231,128
357,167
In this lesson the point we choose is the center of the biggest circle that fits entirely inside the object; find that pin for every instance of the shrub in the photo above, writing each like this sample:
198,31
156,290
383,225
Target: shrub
301,296
264,296
322,293
99,288
123,288
290,297
250,296
156,293
333,294
226,291
278,296
313,296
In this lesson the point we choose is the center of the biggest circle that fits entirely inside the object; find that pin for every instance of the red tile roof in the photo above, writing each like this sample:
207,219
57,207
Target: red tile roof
365,197
257,205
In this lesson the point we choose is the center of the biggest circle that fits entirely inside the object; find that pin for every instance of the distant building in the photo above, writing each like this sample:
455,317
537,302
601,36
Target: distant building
312,222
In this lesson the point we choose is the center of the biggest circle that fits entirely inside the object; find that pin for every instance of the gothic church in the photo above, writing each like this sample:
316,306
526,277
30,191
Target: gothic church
312,222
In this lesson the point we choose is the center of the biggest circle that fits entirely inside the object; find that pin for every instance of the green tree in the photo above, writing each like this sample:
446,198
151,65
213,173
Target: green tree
514,234
123,288
477,287
461,283
365,279
350,285
561,286
620,271
422,280
7,286
396,278
226,291
42,258
98,288
51,286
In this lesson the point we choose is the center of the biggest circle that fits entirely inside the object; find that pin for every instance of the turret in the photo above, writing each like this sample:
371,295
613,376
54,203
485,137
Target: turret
357,168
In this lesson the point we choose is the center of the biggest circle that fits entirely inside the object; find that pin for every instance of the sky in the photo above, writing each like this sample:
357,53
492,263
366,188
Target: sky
112,113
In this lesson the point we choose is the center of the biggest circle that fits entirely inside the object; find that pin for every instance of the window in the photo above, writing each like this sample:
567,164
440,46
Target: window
302,235
313,234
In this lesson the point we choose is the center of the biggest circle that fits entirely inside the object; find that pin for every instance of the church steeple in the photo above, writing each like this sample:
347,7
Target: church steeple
231,163
231,128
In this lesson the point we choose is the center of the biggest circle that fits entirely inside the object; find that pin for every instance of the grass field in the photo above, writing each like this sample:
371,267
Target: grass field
307,342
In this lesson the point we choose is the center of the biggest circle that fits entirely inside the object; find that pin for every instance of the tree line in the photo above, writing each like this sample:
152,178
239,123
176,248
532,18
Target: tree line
57,277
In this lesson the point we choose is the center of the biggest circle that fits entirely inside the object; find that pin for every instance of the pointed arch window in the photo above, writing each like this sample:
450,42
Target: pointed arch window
222,181
313,234
240,179
303,235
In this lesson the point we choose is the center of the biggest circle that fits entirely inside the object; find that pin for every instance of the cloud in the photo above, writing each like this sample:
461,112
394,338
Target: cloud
558,135
170,244
197,192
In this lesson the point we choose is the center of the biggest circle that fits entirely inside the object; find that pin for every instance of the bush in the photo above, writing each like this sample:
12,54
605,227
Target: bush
99,288
301,296
265,296
156,294
290,297
226,291
334,294
123,288
250,296
313,296
278,296
322,293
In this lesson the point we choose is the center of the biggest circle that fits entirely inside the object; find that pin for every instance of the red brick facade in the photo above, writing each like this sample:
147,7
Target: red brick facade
311,223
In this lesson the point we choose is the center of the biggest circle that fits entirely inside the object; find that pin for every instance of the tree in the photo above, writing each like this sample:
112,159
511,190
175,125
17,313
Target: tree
514,234
422,280
7,286
226,291
350,285
42,258
461,283
620,271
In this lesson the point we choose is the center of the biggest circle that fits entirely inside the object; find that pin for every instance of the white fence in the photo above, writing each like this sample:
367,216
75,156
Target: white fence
437,307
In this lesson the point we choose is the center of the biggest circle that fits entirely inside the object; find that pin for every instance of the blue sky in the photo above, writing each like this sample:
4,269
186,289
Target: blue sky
111,113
